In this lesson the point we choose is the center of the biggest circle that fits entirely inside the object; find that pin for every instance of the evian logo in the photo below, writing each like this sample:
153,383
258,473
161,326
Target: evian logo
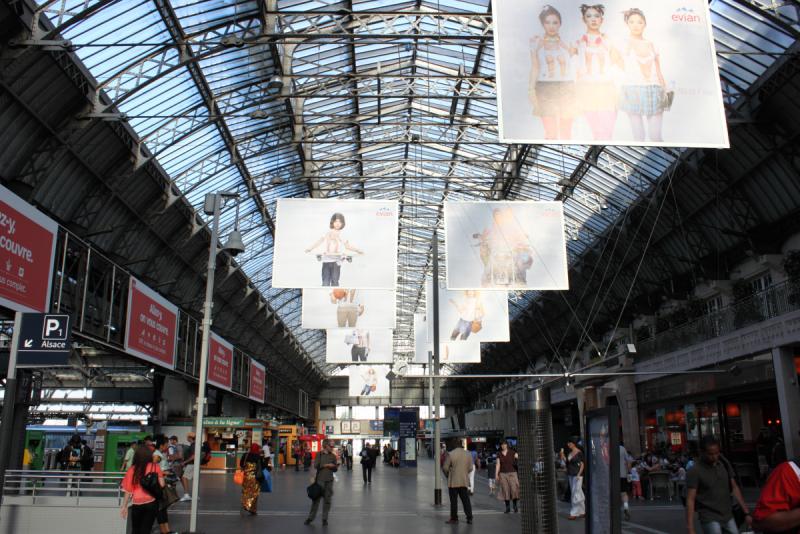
685,15
384,212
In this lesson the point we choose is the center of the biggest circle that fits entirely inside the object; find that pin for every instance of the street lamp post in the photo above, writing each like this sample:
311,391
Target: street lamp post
213,205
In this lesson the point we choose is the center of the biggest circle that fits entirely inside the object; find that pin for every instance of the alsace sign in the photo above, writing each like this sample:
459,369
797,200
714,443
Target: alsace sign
44,340
27,249
151,330
258,375
220,362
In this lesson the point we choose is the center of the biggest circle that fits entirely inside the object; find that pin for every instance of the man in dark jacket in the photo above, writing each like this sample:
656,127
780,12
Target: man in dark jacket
326,464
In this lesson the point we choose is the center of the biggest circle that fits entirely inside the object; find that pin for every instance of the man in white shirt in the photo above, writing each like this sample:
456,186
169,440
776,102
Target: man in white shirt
625,462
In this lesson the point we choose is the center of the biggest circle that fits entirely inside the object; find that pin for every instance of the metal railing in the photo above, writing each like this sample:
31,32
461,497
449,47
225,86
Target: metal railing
772,302
72,485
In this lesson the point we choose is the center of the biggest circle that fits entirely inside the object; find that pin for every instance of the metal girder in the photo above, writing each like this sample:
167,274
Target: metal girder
176,32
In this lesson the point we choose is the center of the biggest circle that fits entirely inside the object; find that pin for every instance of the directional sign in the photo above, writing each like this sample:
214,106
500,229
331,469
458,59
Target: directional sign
44,340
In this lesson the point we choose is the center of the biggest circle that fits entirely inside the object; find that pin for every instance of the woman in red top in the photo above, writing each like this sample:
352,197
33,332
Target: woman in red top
145,506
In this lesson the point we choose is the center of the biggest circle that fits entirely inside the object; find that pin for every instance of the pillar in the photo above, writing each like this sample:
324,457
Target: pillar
537,471
629,413
788,398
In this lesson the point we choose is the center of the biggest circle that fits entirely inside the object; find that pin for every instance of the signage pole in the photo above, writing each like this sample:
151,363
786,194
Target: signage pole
201,387
437,436
9,399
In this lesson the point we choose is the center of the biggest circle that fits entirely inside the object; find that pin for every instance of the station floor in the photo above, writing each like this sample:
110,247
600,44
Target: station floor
397,502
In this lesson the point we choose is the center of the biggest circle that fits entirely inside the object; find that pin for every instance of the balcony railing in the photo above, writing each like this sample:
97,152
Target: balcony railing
777,300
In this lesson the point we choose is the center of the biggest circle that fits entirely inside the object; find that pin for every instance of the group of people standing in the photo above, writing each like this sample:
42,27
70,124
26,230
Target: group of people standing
572,79
459,467
153,468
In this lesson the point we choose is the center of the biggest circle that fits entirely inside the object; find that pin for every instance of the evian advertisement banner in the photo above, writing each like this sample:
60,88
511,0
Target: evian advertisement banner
152,326
258,378
220,362
27,248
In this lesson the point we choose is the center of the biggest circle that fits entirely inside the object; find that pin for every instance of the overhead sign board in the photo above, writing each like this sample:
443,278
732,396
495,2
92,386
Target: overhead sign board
258,376
44,340
27,248
152,326
220,362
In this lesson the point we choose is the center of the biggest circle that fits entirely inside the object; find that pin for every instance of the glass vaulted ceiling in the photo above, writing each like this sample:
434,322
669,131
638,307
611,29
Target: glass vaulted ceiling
371,107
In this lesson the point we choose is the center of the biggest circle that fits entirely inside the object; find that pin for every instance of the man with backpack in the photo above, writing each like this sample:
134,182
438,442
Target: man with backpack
188,459
778,507
175,454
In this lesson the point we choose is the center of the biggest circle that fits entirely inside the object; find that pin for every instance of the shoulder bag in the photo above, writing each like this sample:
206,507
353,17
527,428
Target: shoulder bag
149,483
238,477
314,491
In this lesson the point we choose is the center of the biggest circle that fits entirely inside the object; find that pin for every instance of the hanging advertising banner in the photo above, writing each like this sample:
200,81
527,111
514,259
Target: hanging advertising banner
358,345
335,243
468,351
220,362
27,250
348,308
152,325
258,381
469,314
369,381
506,245
616,73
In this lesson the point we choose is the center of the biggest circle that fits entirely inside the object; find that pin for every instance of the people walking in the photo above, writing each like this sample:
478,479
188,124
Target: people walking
175,454
161,458
709,489
297,454
507,478
145,506
369,457
575,467
625,462
253,467
326,464
347,452
474,454
458,465
491,471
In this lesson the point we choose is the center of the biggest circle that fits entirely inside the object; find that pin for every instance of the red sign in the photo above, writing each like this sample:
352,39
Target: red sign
258,376
27,248
220,362
152,325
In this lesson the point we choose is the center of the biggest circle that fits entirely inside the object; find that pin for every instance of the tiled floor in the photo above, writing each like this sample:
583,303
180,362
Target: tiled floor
397,501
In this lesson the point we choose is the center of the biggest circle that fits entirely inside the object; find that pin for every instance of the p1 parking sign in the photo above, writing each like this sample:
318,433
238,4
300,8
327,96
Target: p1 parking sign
44,340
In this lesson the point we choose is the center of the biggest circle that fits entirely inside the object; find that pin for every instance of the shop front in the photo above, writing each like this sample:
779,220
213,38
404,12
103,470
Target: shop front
230,438
739,408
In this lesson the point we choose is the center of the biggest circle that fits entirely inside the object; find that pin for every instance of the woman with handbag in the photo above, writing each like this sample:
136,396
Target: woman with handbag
169,494
507,477
142,487
253,468
575,468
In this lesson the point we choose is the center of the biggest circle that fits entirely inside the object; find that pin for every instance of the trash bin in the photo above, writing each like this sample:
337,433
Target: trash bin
230,458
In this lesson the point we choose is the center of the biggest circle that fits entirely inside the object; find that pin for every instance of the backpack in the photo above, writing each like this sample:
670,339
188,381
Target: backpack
206,450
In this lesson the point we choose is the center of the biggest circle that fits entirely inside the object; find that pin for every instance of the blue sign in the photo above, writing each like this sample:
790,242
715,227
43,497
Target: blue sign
376,426
44,340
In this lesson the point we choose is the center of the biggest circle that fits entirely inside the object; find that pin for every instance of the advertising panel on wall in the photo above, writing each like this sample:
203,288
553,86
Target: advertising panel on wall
335,243
258,379
469,314
506,245
152,325
368,381
616,73
220,362
357,345
342,308
27,249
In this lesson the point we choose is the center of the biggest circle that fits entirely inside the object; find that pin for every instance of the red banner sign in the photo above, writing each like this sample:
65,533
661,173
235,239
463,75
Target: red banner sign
258,377
152,326
220,362
27,248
